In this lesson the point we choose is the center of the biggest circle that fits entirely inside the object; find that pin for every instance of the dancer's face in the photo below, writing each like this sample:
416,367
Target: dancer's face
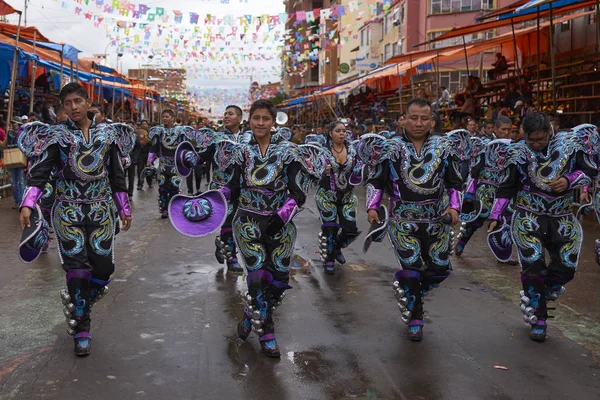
538,140
167,119
261,123
231,119
338,134
504,131
76,107
418,122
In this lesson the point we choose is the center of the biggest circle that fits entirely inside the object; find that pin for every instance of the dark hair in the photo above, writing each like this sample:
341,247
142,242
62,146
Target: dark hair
487,122
168,111
72,88
238,110
438,127
99,107
502,120
535,121
419,102
263,105
334,124
32,114
144,120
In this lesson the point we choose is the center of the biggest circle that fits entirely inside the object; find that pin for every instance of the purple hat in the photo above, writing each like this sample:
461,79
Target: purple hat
500,242
34,237
198,216
183,168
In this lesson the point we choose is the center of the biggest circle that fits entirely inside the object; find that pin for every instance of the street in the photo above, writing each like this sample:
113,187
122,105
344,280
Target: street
167,328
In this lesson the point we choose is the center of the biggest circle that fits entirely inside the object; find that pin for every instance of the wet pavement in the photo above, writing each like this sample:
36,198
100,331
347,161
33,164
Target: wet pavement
166,330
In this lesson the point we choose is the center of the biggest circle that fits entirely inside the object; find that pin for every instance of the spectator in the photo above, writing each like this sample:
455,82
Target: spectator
61,116
526,91
555,124
472,127
17,174
444,98
98,112
400,123
512,95
33,117
488,129
468,107
500,66
437,124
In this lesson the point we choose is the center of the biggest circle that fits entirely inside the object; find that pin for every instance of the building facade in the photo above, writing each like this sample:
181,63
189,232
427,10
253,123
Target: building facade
169,82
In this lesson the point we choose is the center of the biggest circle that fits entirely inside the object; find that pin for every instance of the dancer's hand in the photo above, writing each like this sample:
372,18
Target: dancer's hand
148,164
559,185
24,217
492,226
453,213
126,222
372,216
584,198
327,169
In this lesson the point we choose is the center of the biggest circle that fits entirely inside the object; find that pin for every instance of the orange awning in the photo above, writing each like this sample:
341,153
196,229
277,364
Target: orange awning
477,47
503,10
27,32
7,9
486,26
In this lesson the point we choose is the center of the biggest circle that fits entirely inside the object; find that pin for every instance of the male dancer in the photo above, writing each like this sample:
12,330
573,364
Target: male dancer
90,184
419,172
226,250
541,184
270,181
488,173
165,139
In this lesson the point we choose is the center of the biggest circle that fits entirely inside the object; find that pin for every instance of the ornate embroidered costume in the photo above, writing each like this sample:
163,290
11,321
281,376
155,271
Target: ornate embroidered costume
543,219
91,194
269,189
164,141
490,169
421,186
337,204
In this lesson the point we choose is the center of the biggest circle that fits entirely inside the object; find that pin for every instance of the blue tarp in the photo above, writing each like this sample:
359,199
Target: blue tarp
83,76
7,53
71,53
544,7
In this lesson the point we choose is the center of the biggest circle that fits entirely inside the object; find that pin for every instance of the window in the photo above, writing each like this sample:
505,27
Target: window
565,26
454,6
454,81
363,37
395,49
457,40
389,22
591,18
387,52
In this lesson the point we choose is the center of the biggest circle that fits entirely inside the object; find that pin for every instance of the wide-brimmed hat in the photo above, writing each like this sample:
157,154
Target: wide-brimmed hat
198,216
17,120
181,164
34,238
377,231
500,241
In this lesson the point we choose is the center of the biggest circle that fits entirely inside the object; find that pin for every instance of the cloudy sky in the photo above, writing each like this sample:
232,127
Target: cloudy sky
63,25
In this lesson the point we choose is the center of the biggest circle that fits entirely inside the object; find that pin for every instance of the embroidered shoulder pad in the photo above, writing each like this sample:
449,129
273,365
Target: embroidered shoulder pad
312,158
318,140
228,153
373,149
123,137
36,137
461,144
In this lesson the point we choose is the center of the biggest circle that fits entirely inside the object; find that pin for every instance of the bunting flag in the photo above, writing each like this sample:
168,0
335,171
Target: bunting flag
6,9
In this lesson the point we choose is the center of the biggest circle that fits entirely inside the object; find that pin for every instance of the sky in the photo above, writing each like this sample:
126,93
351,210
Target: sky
63,25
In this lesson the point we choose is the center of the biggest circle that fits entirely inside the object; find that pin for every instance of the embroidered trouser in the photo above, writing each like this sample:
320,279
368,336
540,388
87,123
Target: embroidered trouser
85,233
168,186
337,210
422,247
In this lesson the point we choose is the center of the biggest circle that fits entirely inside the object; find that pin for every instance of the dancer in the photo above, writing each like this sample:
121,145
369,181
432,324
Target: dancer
490,170
270,180
91,197
335,198
211,154
165,139
541,184
420,173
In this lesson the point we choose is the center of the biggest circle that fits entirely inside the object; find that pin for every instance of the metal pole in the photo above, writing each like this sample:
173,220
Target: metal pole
13,77
25,12
399,86
539,99
412,86
466,56
70,71
553,61
62,53
597,27
512,25
33,75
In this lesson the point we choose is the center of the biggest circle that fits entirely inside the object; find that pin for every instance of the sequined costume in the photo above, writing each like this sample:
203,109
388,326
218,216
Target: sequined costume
421,186
337,204
270,190
209,153
489,169
543,220
164,141
91,194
